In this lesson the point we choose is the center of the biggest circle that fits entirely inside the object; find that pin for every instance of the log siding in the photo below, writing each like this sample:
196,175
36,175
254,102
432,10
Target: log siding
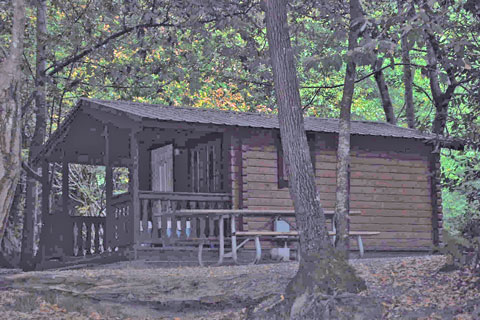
391,189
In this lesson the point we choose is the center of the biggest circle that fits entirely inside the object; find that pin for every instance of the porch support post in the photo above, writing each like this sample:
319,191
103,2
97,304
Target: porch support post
46,221
65,182
108,232
134,186
45,189
65,223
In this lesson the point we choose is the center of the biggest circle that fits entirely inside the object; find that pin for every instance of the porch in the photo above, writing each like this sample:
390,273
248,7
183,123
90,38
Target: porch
166,168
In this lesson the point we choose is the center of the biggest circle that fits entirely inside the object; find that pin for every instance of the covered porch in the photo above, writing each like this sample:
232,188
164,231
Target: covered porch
167,166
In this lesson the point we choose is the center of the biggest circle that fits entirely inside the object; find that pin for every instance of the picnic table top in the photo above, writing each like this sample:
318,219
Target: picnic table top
283,213
295,233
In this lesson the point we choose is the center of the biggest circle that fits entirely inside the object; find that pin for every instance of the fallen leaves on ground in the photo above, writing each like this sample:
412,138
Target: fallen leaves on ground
407,287
413,288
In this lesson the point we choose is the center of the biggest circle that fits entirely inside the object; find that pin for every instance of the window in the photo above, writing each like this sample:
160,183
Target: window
204,167
282,167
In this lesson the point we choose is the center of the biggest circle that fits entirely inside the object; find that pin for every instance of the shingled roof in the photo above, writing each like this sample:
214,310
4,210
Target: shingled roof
253,120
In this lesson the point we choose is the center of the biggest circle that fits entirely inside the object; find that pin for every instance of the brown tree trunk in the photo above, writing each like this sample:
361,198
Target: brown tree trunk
10,115
407,70
441,100
11,243
321,268
343,148
384,94
31,217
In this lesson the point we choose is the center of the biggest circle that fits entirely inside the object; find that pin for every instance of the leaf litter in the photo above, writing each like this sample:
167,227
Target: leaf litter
408,288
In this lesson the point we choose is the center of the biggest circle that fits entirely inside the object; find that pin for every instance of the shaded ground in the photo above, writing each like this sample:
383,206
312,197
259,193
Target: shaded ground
408,287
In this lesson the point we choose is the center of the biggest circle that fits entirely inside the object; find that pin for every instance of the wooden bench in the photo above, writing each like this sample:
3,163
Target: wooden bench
294,234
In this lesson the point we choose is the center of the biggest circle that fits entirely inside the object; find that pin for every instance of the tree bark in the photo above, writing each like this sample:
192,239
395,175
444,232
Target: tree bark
10,115
343,148
441,100
311,220
31,217
407,70
11,243
384,94
321,269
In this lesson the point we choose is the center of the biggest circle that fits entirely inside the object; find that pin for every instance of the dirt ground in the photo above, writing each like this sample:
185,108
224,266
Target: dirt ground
407,287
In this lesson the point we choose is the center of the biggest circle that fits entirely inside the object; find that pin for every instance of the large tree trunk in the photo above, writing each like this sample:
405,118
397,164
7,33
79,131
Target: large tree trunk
321,268
407,70
31,218
384,94
10,115
11,243
441,100
343,148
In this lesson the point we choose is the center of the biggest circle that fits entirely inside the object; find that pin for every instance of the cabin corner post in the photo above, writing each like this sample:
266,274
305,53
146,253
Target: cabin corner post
236,178
134,188
45,210
66,229
435,197
108,188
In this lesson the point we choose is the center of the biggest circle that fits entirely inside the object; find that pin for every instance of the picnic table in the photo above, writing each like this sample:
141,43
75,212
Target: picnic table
255,235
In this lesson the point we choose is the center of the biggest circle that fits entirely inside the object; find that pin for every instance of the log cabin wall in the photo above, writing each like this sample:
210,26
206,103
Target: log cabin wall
389,184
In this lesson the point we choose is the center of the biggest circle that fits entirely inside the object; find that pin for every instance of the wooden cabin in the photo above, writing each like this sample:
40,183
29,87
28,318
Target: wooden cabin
180,158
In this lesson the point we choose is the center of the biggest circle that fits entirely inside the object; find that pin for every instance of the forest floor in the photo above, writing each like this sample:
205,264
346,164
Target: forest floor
407,287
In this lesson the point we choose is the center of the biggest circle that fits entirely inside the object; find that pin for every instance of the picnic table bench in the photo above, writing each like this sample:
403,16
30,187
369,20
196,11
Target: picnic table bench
232,214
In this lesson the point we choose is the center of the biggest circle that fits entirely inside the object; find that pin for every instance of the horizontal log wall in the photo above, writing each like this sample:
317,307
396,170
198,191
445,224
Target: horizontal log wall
391,189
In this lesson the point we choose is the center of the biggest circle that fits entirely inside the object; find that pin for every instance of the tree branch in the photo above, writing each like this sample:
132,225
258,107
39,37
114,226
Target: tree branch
358,80
57,67
364,77
62,64
30,172
423,91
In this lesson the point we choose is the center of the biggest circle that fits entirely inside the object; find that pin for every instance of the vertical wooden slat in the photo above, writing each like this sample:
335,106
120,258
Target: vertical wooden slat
165,238
75,239
210,225
146,234
192,170
194,226
155,221
89,237
199,172
224,183
83,238
207,169
202,227
183,235
97,237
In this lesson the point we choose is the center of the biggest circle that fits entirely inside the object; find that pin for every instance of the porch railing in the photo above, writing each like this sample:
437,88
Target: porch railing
160,225
120,222
88,235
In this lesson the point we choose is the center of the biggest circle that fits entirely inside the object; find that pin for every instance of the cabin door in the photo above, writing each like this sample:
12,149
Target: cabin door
162,168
